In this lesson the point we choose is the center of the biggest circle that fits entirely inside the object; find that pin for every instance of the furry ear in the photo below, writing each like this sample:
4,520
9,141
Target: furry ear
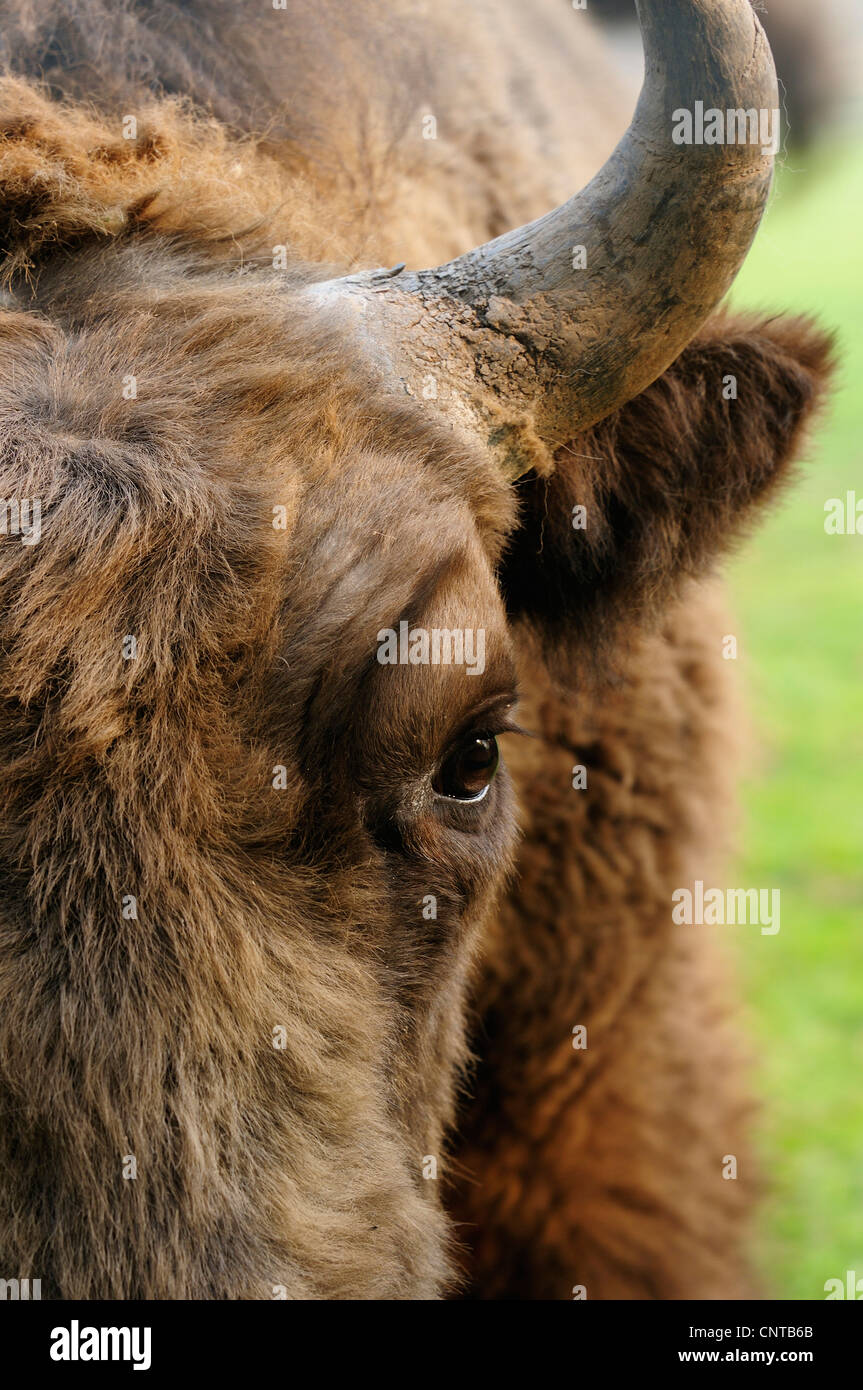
655,492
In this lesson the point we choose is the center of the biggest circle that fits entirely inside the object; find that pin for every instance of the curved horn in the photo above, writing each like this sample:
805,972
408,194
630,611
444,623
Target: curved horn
528,348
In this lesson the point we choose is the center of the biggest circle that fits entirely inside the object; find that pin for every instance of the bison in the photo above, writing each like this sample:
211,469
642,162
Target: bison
305,989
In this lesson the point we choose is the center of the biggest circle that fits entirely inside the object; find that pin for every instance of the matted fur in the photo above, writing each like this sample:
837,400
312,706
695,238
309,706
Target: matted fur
298,906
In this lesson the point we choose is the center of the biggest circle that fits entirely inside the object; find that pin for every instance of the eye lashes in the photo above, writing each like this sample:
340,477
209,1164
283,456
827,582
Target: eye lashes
505,725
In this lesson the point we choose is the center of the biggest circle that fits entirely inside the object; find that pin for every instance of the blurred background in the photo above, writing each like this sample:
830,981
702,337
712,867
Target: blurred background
797,594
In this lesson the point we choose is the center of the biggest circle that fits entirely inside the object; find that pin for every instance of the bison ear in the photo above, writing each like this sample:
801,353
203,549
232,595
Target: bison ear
655,492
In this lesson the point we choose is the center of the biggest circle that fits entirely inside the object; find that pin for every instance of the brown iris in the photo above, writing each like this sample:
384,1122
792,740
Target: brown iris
467,771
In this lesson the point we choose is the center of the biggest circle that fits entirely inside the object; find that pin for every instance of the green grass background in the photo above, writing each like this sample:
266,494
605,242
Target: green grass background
798,603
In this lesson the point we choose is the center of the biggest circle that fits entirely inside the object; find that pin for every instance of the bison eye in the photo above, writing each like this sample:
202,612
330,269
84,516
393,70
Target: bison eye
467,771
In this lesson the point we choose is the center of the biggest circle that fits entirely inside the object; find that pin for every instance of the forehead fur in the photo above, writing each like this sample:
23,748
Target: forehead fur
68,175
158,511
338,166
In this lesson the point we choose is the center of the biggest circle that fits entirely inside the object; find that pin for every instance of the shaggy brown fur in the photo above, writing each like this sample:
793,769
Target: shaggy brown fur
255,780
603,1168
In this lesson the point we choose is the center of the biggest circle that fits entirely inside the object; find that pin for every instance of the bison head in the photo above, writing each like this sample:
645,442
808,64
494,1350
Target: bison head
250,826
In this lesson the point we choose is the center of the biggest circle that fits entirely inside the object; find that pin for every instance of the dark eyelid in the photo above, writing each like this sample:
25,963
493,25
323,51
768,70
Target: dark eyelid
491,717
509,726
